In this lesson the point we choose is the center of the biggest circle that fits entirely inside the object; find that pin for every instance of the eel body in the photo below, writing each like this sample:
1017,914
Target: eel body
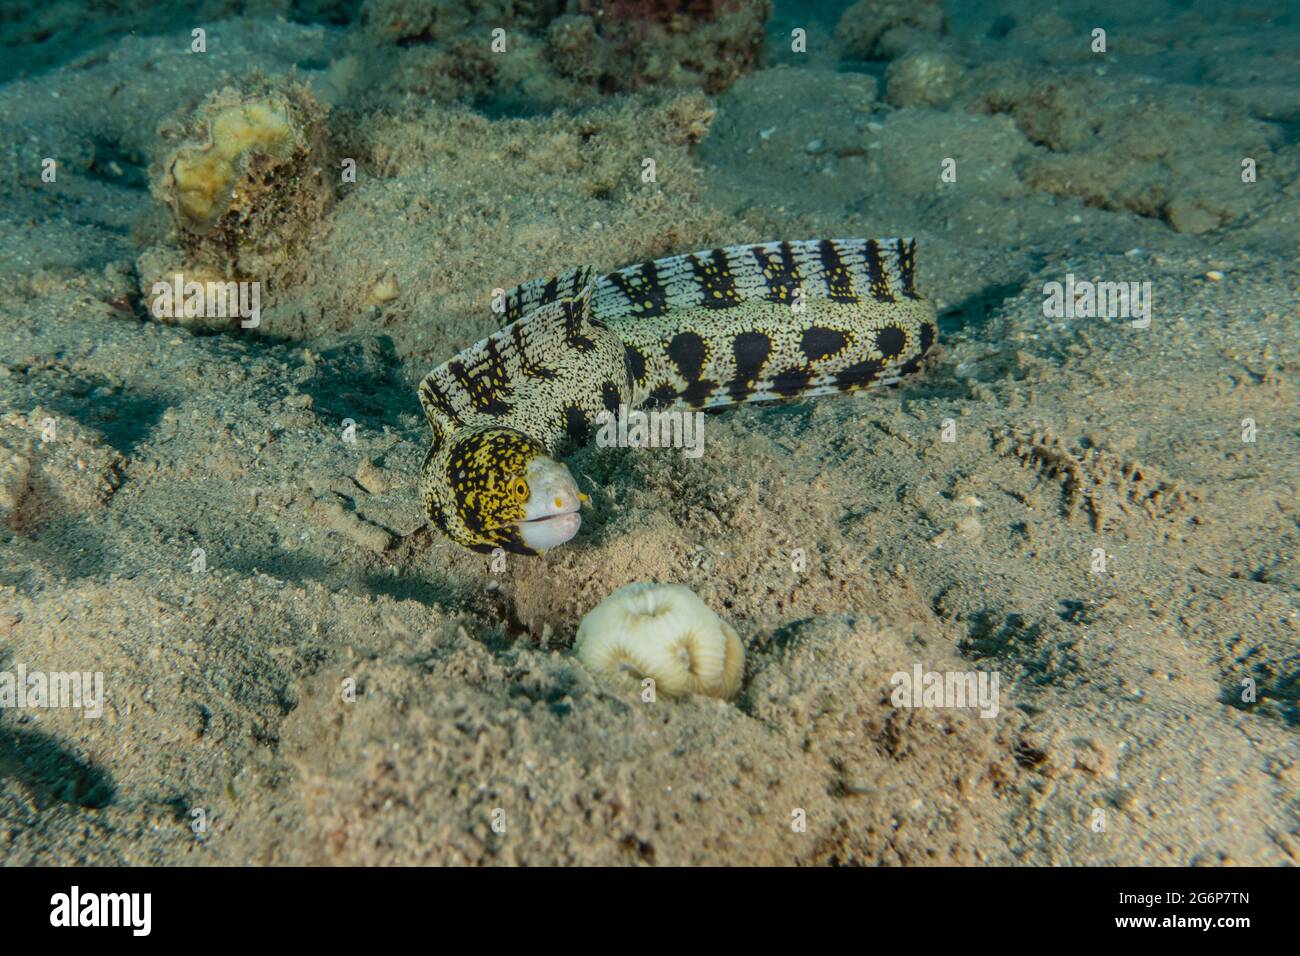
755,323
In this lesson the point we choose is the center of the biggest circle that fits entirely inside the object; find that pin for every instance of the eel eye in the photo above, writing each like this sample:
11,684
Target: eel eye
519,488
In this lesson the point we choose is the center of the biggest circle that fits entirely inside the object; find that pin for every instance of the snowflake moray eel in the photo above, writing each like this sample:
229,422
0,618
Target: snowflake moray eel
754,323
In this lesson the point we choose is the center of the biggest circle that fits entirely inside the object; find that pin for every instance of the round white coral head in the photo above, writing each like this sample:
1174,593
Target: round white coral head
665,632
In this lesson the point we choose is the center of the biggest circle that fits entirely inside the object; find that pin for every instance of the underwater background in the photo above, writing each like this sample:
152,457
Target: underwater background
218,514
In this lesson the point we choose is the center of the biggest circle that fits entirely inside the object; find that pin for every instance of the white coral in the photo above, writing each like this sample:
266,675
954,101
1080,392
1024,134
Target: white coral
664,632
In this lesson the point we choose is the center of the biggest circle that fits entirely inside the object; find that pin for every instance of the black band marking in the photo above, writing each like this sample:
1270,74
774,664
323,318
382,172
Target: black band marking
641,287
891,341
839,284
876,272
688,352
819,343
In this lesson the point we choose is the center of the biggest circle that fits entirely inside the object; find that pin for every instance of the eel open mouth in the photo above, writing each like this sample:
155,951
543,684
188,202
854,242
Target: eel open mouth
549,531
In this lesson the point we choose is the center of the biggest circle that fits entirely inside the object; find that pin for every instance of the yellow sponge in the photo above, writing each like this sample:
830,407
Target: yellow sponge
204,176
245,176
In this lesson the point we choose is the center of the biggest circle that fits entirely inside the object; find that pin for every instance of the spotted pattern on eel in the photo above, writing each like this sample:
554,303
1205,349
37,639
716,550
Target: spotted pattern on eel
756,323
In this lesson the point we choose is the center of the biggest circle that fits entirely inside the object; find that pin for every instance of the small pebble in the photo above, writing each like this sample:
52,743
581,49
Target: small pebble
385,290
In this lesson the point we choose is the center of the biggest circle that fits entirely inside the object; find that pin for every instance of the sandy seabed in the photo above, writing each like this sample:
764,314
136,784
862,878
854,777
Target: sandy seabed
290,661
